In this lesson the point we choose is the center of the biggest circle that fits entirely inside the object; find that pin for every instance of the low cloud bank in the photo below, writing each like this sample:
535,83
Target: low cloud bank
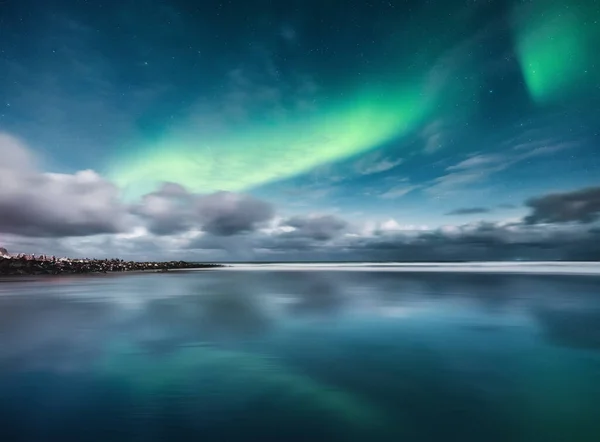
82,214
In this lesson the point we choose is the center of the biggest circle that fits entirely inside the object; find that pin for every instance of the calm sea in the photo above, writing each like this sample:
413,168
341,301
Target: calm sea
301,354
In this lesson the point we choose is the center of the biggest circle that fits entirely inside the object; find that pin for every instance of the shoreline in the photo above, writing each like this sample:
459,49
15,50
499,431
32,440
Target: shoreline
21,266
553,268
15,279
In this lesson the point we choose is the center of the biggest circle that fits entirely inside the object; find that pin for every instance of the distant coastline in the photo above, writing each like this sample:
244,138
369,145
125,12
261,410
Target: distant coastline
30,265
549,268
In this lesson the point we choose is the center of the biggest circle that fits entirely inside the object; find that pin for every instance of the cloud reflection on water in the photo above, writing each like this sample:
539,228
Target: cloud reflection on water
401,350
229,307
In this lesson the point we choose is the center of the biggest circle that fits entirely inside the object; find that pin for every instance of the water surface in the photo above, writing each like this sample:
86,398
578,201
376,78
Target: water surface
298,354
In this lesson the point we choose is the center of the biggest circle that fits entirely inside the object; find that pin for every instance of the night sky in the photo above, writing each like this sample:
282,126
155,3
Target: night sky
265,130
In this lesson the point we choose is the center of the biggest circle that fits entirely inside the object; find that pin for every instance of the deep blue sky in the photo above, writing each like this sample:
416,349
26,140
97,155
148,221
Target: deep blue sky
410,114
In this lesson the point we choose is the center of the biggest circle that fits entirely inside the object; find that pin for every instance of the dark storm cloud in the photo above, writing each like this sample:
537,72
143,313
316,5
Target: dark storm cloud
582,206
320,228
53,205
469,211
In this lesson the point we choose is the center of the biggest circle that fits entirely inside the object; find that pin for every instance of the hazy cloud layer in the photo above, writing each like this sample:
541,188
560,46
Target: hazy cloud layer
472,242
483,242
373,164
469,211
582,206
479,168
81,214
398,191
319,228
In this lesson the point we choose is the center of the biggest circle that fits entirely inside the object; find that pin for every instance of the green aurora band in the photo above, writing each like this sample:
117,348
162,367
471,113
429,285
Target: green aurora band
266,152
399,92
557,44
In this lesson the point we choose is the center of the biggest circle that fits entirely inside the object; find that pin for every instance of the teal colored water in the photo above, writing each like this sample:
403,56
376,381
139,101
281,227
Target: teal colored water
300,356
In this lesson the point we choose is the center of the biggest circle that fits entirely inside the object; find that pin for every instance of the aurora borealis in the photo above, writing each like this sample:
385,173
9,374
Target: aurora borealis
387,116
399,201
556,42
266,153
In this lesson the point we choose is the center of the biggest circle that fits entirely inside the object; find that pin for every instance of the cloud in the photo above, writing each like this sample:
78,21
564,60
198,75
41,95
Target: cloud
440,133
478,168
320,228
322,238
477,161
52,205
398,191
227,213
455,180
39,204
390,225
172,209
544,146
481,241
327,237
581,206
167,211
433,137
81,215
469,211
371,165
